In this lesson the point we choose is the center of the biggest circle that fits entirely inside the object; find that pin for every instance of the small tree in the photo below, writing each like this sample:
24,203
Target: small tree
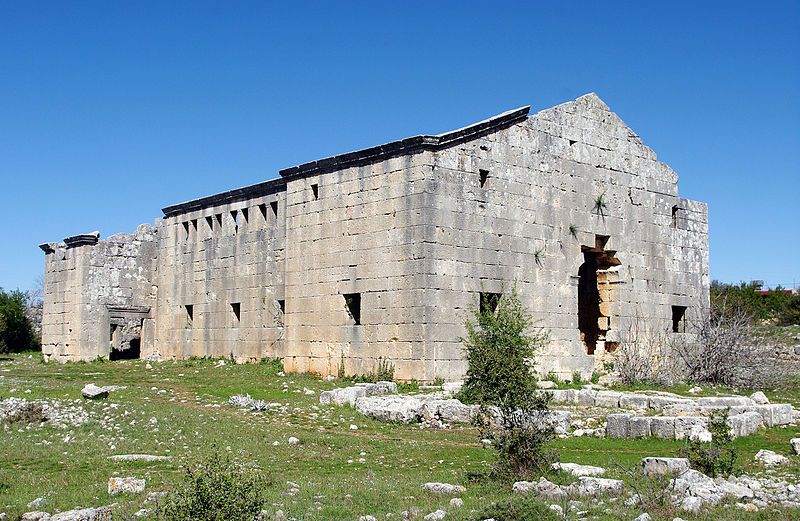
715,457
217,489
501,345
16,330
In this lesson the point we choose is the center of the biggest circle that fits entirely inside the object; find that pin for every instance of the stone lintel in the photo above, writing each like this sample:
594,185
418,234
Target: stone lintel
82,239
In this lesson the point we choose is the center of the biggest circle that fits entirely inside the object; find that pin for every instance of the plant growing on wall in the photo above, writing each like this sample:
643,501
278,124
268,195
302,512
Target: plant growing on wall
573,230
600,205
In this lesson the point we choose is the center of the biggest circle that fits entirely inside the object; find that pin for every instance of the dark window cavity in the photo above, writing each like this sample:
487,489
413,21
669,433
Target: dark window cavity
315,191
679,319
484,177
352,302
489,302
236,307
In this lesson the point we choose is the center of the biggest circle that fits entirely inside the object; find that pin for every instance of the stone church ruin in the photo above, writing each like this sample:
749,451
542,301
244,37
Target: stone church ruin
377,254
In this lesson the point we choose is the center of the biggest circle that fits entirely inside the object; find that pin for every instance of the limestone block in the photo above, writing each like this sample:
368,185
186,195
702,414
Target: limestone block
745,423
342,396
660,402
663,427
402,409
771,459
685,424
125,485
634,401
448,411
607,399
725,401
640,427
655,466
618,425
579,470
586,398
591,486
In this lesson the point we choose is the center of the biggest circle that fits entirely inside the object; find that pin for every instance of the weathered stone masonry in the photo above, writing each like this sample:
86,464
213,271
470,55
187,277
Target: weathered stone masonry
377,254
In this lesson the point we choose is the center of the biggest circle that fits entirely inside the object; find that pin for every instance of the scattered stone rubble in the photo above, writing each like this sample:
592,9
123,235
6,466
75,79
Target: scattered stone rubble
689,489
54,412
680,417
245,401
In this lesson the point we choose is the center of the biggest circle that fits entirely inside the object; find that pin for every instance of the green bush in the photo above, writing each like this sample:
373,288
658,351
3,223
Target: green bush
775,306
500,351
517,508
217,489
718,456
16,329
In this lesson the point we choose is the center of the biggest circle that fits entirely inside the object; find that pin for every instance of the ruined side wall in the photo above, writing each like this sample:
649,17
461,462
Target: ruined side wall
363,233
536,210
83,281
212,259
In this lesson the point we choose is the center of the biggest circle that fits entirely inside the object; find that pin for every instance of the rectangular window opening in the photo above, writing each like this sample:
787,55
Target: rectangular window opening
352,302
189,314
274,207
210,223
679,319
315,191
489,302
219,220
186,232
263,209
484,177
236,307
675,214
245,215
235,218
282,306
194,225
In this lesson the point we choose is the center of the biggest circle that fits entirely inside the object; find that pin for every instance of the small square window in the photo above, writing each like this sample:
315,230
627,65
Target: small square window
352,302
236,307
489,302
676,213
679,319
189,314
484,177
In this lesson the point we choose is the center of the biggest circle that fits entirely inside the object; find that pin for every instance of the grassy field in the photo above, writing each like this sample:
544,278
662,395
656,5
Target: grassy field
179,409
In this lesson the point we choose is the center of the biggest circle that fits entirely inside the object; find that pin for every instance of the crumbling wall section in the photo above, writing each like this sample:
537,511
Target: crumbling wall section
87,281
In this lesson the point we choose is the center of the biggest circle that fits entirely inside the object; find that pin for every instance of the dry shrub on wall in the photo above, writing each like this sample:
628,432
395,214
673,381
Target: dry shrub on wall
725,350
646,355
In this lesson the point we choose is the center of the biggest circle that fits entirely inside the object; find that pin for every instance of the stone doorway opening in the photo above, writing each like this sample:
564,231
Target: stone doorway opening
596,277
125,332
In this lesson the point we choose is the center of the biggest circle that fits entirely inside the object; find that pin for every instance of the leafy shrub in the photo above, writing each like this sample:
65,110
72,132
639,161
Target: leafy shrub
500,348
16,330
518,507
500,352
715,457
217,489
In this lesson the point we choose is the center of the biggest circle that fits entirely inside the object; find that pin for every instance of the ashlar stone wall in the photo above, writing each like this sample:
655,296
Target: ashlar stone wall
221,278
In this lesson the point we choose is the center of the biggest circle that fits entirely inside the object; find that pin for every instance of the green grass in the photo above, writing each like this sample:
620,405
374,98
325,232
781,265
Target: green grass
188,401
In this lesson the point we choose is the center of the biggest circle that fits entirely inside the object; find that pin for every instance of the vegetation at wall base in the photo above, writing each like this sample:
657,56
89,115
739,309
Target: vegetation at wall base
500,348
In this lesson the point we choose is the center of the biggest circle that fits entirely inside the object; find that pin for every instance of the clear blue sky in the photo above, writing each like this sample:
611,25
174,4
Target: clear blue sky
110,111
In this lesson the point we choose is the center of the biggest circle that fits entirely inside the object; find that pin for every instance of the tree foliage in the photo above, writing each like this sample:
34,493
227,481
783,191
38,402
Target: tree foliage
16,329
774,306
501,345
